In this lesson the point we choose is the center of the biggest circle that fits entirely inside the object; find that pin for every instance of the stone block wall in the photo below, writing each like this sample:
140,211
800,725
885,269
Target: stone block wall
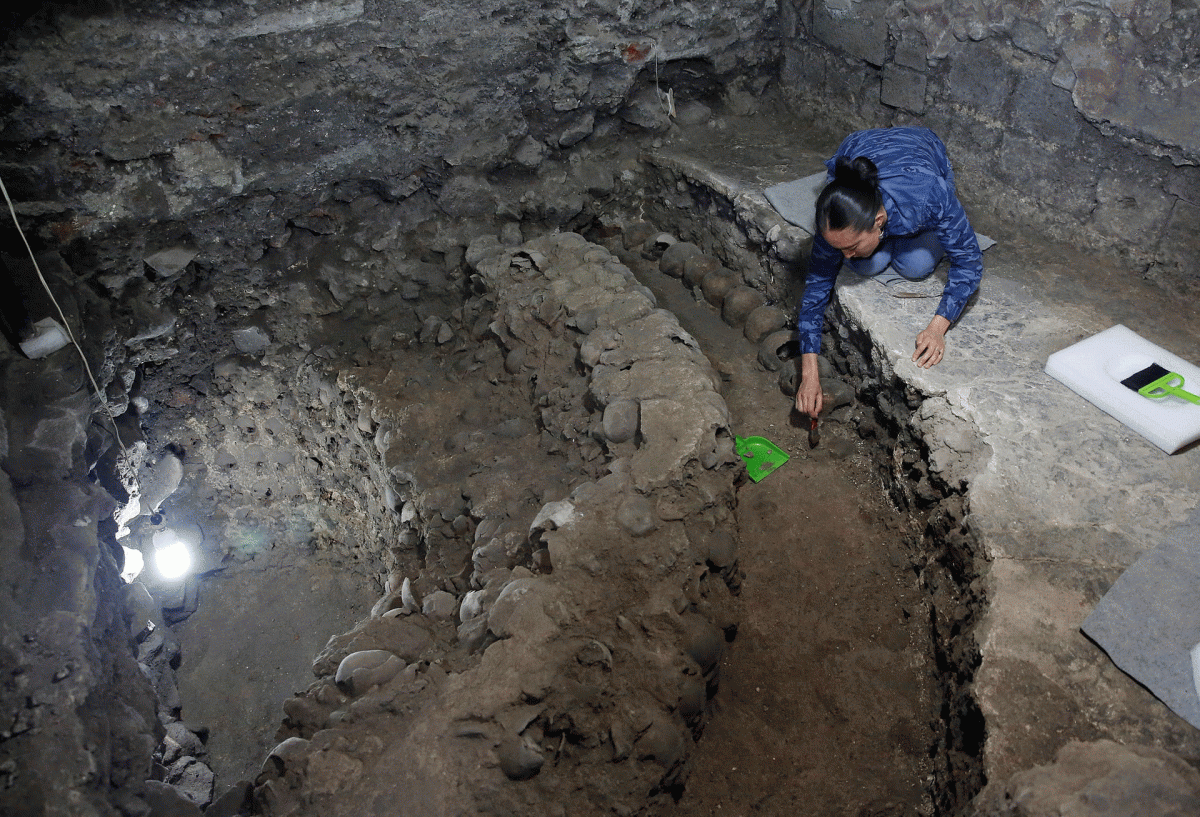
1083,118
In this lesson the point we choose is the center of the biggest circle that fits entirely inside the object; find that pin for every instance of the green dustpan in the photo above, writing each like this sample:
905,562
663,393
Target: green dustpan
761,455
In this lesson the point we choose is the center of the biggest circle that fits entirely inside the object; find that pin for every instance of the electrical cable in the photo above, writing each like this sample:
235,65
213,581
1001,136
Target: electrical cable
66,326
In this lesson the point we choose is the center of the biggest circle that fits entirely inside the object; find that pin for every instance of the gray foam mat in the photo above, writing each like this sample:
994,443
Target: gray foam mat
1149,621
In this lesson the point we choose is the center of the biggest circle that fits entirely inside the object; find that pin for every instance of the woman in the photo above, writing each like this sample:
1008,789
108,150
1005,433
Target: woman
890,202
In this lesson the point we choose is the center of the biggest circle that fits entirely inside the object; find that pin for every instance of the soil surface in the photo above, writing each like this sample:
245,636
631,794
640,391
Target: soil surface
826,702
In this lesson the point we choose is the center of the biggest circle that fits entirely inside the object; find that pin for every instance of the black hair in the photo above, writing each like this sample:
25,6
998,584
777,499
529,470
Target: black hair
852,199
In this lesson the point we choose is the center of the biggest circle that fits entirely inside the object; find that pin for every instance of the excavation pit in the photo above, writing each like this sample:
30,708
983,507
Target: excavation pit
934,747
430,474
433,412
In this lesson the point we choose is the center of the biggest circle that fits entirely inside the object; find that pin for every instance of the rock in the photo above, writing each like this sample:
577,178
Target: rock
553,515
186,742
515,428
692,695
530,153
739,303
673,258
514,361
789,379
577,129
621,734
637,515
519,757
516,594
716,285
763,321
359,671
310,298
139,606
703,641
473,634
429,330
252,340
461,524
149,322
692,112
596,344
305,712
194,779
472,605
595,654
776,348
621,420
467,195
387,603
637,234
440,605
595,177
836,393
662,742
696,267
482,248
170,261
234,802
647,110
491,555
717,546
167,801
1101,779
180,599
510,234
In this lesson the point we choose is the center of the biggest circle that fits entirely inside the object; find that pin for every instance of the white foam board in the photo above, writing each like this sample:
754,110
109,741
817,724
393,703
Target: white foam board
1095,367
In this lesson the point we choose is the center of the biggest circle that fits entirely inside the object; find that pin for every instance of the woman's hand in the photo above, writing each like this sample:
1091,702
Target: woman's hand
931,343
809,398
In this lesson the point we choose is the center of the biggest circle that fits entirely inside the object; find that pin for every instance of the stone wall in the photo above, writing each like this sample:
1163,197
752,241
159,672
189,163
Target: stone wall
215,126
1079,116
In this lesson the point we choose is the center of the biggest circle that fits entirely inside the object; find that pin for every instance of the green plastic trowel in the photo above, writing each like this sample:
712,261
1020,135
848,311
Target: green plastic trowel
761,455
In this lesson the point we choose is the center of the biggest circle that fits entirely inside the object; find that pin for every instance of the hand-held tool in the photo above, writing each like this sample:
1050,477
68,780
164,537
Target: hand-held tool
1156,382
761,455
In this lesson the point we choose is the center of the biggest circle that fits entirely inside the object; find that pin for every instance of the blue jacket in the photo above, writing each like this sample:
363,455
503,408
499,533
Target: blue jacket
918,195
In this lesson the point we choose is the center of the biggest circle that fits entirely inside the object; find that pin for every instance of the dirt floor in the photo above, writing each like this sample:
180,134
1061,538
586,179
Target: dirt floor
826,704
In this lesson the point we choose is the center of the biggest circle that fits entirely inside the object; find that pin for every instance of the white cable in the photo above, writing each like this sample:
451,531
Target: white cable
66,326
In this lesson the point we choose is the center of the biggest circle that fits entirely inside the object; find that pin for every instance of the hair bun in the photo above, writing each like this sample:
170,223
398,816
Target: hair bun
859,173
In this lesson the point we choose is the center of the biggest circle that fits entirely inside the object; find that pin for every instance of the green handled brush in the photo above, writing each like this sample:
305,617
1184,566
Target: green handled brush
1156,382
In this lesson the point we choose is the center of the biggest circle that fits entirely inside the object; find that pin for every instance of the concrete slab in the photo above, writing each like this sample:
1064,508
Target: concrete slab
1063,497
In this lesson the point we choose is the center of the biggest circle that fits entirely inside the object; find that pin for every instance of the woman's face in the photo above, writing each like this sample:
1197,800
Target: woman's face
853,243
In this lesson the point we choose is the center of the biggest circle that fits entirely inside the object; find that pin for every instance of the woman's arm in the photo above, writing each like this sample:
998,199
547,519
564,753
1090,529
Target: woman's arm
962,249
818,287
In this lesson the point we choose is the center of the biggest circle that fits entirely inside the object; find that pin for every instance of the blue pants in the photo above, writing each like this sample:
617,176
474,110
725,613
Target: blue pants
913,256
